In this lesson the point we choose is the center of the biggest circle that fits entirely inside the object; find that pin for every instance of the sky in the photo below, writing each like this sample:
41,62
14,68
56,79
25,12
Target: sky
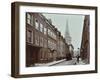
75,25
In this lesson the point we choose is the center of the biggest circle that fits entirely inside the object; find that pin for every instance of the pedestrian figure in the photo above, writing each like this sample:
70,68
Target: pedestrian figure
78,58
78,53
75,63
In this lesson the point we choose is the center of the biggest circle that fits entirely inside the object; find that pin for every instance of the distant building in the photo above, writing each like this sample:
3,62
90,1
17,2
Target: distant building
68,41
85,43
71,49
78,52
75,53
44,43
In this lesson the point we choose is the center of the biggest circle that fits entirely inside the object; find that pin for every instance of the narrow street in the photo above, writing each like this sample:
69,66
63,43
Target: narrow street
63,62
70,62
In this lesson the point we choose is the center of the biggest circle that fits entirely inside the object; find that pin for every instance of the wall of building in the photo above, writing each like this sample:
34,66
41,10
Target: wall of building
85,44
44,43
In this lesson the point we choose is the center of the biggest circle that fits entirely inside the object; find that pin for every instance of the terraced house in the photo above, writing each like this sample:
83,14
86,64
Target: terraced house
44,43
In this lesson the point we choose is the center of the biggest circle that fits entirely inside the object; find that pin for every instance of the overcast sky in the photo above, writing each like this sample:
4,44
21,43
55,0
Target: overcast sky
75,25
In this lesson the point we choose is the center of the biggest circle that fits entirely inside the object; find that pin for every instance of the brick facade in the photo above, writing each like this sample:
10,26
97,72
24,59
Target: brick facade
44,43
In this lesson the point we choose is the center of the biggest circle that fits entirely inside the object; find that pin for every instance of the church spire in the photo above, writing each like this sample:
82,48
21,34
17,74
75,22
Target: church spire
67,29
67,34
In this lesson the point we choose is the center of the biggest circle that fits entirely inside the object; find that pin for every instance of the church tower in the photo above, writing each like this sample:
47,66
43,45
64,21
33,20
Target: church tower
67,35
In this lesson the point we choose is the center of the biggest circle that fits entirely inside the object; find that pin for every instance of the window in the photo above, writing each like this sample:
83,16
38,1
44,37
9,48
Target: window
54,45
53,36
41,41
48,44
28,18
37,40
45,43
37,24
45,30
29,36
41,27
49,32
33,21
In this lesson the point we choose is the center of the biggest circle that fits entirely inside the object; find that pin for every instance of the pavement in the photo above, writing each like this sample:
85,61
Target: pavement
62,62
51,63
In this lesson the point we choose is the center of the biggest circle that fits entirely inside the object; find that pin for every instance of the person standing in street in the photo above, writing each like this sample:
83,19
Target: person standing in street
78,55
78,58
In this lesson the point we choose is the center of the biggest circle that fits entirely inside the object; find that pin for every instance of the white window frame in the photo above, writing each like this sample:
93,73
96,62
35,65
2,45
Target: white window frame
36,24
41,27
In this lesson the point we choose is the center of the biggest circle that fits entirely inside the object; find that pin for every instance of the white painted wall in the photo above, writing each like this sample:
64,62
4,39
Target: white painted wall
5,40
